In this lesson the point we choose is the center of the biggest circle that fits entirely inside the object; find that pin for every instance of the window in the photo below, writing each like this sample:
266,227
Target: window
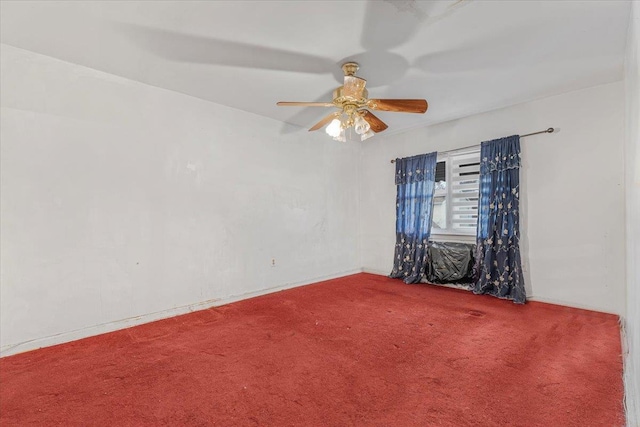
455,201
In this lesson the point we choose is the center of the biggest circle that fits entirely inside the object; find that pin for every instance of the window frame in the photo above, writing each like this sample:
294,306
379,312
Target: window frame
447,157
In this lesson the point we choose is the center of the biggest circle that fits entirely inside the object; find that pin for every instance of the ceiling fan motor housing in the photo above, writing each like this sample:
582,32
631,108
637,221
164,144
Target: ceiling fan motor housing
340,99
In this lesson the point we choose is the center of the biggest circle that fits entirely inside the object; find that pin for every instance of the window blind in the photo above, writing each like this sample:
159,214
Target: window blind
464,182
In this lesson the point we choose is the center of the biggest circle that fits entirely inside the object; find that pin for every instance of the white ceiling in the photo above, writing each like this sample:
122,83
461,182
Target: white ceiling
464,56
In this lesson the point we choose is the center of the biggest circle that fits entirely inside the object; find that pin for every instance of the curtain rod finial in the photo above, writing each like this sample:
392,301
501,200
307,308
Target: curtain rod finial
550,130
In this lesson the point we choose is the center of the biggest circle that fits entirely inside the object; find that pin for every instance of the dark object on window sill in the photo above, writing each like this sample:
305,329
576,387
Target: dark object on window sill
449,262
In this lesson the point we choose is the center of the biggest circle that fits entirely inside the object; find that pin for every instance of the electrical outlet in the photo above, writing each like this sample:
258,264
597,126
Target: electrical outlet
273,262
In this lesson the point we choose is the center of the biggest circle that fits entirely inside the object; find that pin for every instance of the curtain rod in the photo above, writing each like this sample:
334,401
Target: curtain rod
550,130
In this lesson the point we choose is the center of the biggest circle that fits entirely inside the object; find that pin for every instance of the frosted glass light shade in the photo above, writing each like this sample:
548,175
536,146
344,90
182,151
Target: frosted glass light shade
368,134
334,128
361,126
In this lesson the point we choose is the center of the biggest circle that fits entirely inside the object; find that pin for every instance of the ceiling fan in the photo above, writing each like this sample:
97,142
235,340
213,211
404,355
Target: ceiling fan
353,103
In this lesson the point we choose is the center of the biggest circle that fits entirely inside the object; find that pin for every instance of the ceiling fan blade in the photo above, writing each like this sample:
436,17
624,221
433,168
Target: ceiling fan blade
399,105
353,86
304,104
324,121
376,124
295,118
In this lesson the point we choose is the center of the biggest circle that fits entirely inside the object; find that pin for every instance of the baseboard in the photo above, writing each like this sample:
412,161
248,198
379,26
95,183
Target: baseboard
64,337
89,331
374,271
569,304
529,298
631,390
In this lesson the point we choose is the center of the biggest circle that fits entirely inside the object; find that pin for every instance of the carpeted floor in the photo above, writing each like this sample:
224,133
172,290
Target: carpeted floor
363,350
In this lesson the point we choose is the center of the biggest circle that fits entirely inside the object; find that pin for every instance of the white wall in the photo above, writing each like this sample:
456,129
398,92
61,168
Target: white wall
573,192
121,200
632,185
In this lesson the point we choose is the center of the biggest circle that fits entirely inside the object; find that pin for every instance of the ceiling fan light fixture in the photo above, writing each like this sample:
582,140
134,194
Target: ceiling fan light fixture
334,128
368,134
361,125
353,103
341,138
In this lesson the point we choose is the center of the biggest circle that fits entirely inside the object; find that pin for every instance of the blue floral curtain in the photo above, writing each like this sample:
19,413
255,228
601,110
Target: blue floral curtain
415,180
498,268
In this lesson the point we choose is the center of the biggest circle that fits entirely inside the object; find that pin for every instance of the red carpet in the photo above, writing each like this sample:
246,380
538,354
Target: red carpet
358,351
